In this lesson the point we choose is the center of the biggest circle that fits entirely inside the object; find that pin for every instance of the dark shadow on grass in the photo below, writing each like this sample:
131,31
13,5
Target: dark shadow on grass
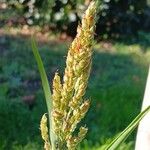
142,39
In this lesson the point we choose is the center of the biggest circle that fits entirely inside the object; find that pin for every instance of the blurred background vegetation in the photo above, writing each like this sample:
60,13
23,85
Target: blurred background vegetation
116,18
120,66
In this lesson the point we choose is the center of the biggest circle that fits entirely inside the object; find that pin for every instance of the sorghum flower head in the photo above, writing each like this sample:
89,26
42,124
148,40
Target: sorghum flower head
69,106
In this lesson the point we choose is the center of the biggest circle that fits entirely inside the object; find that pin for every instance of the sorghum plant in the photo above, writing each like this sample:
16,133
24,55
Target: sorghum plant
68,106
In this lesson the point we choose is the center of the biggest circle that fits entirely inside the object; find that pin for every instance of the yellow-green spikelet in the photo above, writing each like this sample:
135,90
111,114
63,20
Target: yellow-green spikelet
44,132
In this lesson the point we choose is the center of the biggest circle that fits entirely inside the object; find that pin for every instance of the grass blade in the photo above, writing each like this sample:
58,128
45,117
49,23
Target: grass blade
45,85
124,134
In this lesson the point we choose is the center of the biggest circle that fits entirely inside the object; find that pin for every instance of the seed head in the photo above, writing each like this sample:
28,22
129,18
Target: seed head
68,105
44,132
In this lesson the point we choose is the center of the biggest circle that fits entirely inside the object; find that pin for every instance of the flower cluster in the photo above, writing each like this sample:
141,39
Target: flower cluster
69,107
44,132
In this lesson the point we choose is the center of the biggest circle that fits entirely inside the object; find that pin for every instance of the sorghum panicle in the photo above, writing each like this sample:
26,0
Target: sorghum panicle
68,104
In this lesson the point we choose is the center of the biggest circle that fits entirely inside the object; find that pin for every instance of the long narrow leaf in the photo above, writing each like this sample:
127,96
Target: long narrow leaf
124,134
45,85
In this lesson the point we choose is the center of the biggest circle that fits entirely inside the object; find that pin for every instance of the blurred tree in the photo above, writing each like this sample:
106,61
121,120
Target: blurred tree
148,2
116,18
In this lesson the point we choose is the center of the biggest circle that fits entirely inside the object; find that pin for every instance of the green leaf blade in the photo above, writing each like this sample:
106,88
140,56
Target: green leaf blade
124,134
45,83
46,89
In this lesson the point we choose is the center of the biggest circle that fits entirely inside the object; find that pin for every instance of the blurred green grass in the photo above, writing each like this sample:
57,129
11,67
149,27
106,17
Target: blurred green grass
115,88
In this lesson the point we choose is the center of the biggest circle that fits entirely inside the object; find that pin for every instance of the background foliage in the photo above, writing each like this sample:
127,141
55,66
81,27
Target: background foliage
116,18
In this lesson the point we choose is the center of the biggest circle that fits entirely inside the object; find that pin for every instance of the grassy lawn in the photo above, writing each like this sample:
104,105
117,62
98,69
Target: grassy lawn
115,88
